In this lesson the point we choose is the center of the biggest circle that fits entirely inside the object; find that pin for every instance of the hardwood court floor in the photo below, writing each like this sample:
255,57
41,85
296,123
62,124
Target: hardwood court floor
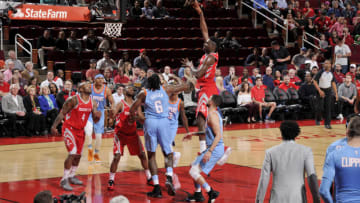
26,169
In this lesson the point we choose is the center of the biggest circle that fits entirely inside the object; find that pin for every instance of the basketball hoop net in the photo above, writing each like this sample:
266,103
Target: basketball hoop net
113,29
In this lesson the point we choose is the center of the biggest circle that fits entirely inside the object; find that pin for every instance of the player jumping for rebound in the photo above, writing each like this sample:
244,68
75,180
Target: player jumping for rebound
125,134
100,93
76,111
156,127
205,75
213,153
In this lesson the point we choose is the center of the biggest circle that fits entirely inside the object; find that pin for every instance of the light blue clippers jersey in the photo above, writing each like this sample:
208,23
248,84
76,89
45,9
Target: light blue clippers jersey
156,104
174,110
99,98
210,135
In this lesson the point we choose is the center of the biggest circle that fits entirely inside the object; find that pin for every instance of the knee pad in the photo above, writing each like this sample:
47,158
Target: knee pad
195,172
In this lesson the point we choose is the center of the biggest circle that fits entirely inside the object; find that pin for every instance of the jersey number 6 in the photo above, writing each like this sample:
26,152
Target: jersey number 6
158,107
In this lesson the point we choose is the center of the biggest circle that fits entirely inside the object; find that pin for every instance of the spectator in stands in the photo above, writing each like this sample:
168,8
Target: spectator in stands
16,80
22,82
258,97
107,44
136,74
36,123
59,78
121,78
279,56
49,79
349,40
67,92
246,80
29,72
188,75
348,13
308,12
245,74
335,9
74,43
216,39
13,106
324,7
290,9
8,73
338,27
229,42
254,59
4,86
265,59
220,83
147,11
314,71
322,22
217,72
17,63
282,4
347,95
339,76
244,99
277,78
159,11
45,44
324,46
255,74
142,61
61,43
233,86
312,61
91,72
324,81
342,53
333,39
91,41
33,81
119,94
53,89
228,78
136,12
167,73
106,61
352,72
307,92
268,78
287,84
109,79
128,70
48,105
311,29
299,59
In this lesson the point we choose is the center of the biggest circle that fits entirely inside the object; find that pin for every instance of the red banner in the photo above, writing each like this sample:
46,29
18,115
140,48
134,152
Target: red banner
50,13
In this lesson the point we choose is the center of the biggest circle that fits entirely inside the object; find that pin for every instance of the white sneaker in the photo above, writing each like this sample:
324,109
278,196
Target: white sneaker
340,117
224,158
44,68
176,158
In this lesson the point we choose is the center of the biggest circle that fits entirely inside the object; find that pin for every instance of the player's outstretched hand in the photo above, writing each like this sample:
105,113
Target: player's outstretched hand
187,63
187,137
206,157
196,6
54,131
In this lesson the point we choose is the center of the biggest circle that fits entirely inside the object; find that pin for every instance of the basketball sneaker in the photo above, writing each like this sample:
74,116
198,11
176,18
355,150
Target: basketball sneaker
213,195
177,156
90,155
74,180
110,185
148,181
169,185
64,184
196,197
224,157
97,158
156,192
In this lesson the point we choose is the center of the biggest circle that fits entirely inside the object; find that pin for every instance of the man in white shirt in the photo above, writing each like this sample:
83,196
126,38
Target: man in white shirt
49,79
342,52
105,62
166,73
119,94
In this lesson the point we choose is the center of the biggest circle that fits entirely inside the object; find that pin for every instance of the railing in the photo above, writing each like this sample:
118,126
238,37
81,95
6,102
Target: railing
265,16
17,43
305,38
1,38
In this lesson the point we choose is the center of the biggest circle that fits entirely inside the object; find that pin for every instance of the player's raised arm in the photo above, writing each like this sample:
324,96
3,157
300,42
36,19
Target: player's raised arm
203,26
172,89
67,107
139,100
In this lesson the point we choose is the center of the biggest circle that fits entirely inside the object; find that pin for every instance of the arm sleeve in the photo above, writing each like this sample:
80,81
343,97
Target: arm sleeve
327,179
264,178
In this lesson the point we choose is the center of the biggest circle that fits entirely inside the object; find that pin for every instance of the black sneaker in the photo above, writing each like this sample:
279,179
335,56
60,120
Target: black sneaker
213,195
170,186
149,181
197,197
156,192
110,185
328,127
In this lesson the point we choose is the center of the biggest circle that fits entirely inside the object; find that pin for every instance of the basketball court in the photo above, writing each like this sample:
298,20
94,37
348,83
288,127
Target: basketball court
30,165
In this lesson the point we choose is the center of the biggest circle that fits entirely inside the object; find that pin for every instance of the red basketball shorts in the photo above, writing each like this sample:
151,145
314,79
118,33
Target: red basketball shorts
74,139
132,142
204,96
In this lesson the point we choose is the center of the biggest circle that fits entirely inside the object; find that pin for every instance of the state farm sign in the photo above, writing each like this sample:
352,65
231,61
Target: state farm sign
51,13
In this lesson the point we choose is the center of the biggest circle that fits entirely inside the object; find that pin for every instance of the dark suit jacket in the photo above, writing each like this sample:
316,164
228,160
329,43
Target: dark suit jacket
28,104
44,105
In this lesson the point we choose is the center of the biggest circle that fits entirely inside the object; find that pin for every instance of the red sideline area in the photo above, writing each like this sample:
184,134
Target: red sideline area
241,126
235,184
